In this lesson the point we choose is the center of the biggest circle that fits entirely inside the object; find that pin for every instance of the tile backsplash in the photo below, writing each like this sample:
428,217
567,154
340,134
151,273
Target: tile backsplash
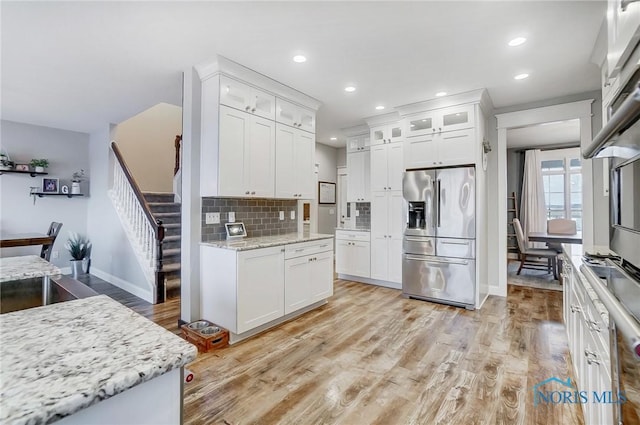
260,216
363,220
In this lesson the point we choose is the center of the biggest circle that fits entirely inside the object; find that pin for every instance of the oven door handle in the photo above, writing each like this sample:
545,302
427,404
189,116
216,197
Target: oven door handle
625,323
418,239
436,261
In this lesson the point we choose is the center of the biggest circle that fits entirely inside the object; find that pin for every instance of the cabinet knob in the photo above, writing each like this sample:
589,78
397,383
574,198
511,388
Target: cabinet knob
434,129
253,193
246,193
247,108
295,124
253,109
440,129
440,162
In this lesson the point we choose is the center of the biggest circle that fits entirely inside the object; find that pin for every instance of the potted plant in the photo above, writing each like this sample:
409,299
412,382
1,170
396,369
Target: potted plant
80,249
39,165
78,176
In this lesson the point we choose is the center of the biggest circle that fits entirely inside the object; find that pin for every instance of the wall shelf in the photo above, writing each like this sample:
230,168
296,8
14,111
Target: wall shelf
68,195
32,173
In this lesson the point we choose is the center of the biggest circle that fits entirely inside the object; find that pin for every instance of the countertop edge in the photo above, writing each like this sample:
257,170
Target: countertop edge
265,243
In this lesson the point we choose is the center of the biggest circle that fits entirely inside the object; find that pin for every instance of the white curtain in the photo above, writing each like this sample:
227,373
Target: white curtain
533,210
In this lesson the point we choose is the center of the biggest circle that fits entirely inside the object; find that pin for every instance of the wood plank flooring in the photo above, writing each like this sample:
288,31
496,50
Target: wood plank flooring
372,357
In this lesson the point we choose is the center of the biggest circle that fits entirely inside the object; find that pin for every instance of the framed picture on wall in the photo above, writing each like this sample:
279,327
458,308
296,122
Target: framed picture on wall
50,185
326,193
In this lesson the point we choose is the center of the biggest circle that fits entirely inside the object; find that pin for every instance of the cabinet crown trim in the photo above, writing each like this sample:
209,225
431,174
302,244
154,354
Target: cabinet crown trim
358,130
223,66
379,120
480,96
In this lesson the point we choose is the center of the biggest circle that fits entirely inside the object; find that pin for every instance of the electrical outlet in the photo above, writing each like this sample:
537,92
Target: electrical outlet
293,215
212,218
55,254
281,215
357,213
232,217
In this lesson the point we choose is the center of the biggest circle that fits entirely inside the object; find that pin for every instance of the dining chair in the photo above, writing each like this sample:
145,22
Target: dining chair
53,231
526,254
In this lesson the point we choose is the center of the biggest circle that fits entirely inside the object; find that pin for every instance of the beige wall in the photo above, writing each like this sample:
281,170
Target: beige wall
147,144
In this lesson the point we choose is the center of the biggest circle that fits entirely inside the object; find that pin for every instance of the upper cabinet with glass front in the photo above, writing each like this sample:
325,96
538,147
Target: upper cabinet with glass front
295,116
440,120
246,98
390,133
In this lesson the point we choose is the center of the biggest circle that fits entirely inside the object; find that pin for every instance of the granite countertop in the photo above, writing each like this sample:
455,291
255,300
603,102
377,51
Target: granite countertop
267,241
355,229
61,358
25,267
575,252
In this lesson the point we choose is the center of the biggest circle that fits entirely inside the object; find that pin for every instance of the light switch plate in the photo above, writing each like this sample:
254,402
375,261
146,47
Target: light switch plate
332,211
281,215
357,213
212,218
232,217
293,215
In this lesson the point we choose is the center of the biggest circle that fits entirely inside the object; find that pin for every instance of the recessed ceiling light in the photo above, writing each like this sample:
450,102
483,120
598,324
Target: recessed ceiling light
299,58
349,89
334,138
379,107
441,93
521,76
517,41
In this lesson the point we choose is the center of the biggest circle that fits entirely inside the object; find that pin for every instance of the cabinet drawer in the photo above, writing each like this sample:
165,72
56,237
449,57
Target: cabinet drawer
353,236
307,248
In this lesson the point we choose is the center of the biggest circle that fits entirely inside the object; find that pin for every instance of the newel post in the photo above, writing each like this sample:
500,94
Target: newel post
160,283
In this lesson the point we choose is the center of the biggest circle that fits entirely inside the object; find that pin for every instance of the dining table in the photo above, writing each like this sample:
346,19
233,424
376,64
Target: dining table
555,238
11,240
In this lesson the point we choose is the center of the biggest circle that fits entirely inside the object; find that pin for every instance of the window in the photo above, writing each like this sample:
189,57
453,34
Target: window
562,181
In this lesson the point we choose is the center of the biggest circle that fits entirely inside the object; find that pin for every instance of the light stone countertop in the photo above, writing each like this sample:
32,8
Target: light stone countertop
61,358
266,241
575,252
356,229
25,267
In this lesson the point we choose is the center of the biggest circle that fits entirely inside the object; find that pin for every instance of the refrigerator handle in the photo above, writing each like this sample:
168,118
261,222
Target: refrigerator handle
438,203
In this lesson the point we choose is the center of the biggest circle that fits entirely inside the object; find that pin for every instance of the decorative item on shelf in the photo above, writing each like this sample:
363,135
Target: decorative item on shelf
22,167
5,162
64,189
39,165
78,176
50,185
80,249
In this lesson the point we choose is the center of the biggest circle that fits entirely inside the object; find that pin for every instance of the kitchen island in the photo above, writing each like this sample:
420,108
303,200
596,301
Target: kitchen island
83,361
250,285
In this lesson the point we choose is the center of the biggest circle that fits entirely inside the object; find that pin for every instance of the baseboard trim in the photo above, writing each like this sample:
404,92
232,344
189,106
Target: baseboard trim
65,270
384,283
497,291
124,285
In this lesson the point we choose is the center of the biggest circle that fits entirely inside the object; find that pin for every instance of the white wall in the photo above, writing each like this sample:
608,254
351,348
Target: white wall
327,172
113,258
341,157
147,144
67,151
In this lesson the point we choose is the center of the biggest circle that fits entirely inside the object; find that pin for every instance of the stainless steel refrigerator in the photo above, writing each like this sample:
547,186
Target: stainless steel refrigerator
438,260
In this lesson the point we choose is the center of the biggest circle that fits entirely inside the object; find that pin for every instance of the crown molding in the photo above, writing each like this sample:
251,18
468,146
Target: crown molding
480,96
388,118
357,130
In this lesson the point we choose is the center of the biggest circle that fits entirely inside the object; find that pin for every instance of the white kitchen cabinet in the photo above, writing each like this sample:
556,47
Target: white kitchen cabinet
295,116
387,227
358,143
358,169
247,143
353,253
295,152
623,33
457,147
389,133
246,98
308,279
441,120
387,167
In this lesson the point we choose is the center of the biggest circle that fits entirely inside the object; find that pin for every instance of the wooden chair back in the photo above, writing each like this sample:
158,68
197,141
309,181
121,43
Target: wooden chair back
53,231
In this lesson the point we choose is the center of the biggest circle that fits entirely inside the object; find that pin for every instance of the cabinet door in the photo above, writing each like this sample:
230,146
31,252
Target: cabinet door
395,259
378,135
421,152
395,132
263,104
297,284
354,144
287,113
343,257
260,287
260,162
379,257
379,168
356,172
306,120
304,165
420,124
457,147
234,134
285,162
456,118
321,276
379,214
396,225
360,259
395,166
235,94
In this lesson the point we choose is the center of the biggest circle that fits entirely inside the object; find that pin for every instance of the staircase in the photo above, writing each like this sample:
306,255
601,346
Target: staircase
164,208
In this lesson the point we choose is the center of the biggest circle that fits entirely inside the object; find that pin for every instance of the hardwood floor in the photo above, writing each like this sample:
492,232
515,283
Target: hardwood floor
372,357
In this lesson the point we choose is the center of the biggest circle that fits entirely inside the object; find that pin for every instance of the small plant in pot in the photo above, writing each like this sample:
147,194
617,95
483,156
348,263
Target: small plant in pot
39,165
80,249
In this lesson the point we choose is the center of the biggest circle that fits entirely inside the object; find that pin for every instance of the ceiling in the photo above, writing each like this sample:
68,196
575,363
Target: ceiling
558,133
82,65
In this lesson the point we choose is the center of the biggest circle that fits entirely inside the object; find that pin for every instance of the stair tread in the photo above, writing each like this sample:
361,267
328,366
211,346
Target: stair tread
172,238
172,225
167,214
171,251
155,204
171,267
